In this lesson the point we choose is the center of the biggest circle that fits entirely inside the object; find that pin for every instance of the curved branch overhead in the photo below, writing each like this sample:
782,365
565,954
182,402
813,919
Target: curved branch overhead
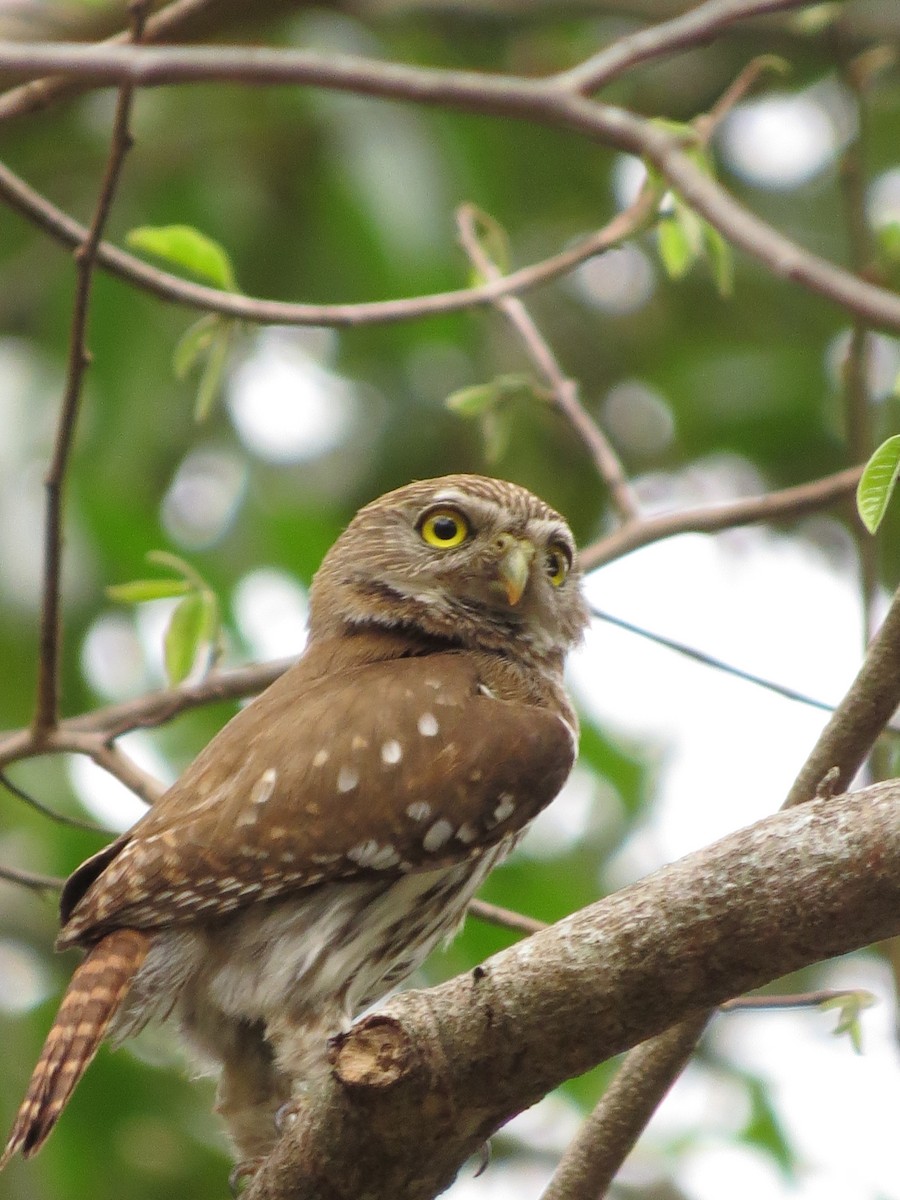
551,102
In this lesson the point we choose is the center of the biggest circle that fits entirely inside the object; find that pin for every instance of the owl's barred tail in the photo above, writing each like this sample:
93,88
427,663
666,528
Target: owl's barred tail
98,987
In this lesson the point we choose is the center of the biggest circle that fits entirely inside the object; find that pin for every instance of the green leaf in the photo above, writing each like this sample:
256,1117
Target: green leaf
765,1130
873,493
888,237
186,247
675,247
721,259
194,624
850,1007
194,344
473,401
496,432
140,590
482,397
214,370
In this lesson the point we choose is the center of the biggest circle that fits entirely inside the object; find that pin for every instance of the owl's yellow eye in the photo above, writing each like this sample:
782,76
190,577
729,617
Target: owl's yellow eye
445,528
558,563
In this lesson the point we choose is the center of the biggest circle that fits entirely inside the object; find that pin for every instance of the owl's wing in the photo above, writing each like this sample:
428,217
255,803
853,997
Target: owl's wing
389,768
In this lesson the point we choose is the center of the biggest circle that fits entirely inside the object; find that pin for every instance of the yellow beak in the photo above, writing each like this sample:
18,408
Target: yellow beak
514,568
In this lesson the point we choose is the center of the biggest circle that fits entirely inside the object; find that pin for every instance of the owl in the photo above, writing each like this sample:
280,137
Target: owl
333,832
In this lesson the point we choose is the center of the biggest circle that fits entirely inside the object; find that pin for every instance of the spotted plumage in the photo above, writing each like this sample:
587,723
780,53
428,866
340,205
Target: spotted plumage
334,831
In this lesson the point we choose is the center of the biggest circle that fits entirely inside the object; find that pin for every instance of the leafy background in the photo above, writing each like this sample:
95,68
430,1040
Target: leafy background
332,198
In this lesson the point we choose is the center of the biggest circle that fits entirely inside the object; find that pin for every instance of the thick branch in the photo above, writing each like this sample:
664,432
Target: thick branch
416,1088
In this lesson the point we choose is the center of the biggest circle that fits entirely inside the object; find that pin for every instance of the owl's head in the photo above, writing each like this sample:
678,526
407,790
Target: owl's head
477,562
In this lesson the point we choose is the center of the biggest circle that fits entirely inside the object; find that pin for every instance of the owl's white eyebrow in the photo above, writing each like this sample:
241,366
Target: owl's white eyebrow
447,498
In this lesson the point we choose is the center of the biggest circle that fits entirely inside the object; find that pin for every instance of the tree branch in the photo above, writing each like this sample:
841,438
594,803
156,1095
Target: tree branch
696,27
544,101
41,93
46,712
609,1134
774,506
563,390
803,885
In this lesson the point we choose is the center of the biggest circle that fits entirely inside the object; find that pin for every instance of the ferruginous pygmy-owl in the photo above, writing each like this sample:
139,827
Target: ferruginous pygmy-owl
334,831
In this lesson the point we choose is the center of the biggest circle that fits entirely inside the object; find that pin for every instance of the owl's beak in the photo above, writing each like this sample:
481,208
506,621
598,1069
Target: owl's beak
515,566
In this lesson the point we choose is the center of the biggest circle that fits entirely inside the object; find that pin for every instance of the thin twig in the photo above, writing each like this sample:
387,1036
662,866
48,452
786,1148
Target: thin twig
41,93
28,879
563,390
684,32
774,506
506,918
542,101
81,734
45,811
118,764
46,713
65,229
757,1003
857,362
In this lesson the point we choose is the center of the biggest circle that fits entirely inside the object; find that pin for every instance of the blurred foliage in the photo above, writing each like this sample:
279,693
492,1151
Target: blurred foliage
332,198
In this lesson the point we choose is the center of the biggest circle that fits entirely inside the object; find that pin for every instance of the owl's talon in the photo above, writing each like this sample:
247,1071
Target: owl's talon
484,1159
242,1173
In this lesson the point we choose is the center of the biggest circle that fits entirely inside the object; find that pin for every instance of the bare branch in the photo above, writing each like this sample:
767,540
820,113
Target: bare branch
40,93
85,733
554,1004
542,101
28,879
45,810
696,27
608,1136
506,918
563,390
59,225
775,506
113,759
865,710
760,1003
46,713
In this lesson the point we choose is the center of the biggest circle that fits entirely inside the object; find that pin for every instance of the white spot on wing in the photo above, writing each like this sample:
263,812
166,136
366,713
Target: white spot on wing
264,786
419,810
466,834
371,854
428,726
321,758
506,806
347,779
391,752
439,833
